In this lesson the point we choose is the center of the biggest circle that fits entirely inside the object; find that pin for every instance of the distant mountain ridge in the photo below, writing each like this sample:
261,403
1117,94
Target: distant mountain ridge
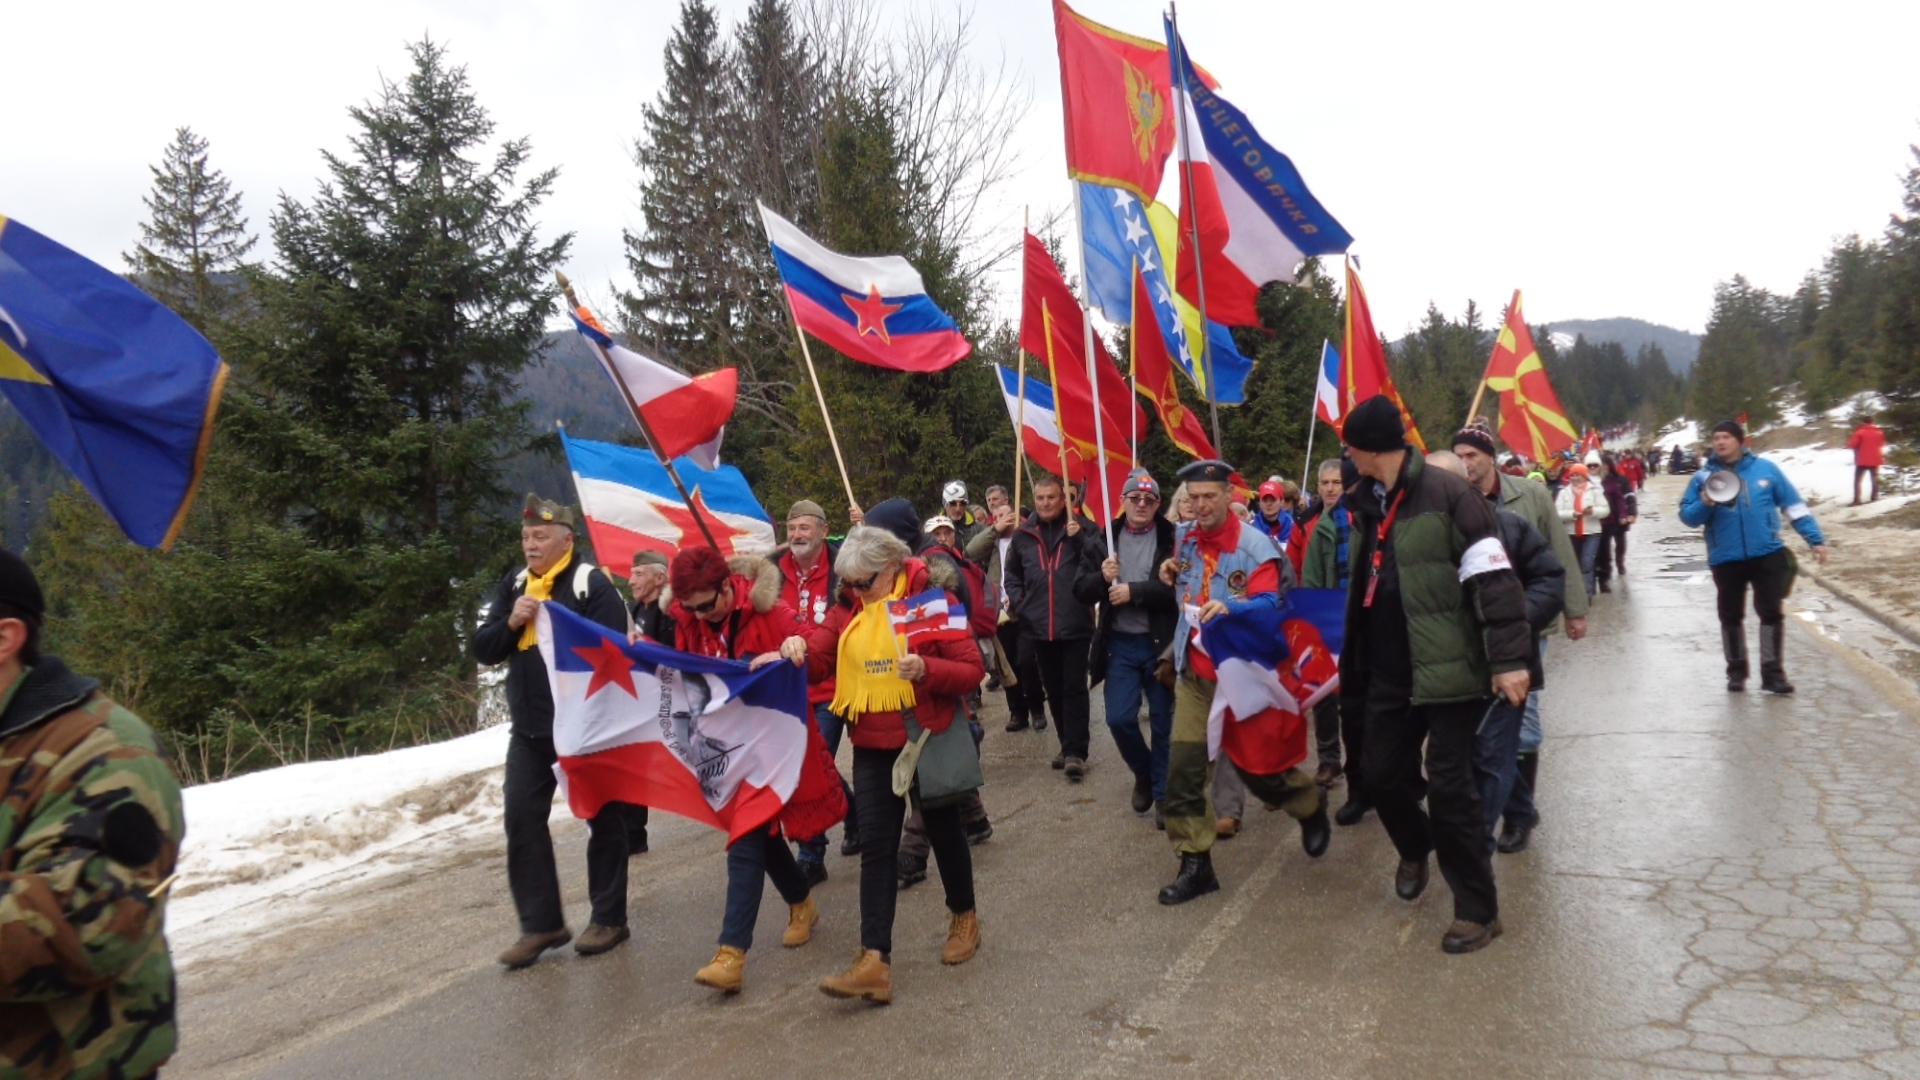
1682,347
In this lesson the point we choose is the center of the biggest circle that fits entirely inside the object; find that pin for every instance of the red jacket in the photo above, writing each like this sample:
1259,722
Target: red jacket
953,669
760,620
1869,446
821,586
1297,544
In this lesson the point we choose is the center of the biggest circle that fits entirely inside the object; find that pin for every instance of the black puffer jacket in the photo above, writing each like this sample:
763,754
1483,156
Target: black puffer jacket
1045,569
1541,576
529,702
1150,595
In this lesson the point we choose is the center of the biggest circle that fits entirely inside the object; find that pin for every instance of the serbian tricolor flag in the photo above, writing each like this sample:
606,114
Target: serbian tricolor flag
1273,664
1531,418
931,616
1326,388
875,310
1042,426
703,738
1257,220
631,505
1365,373
686,413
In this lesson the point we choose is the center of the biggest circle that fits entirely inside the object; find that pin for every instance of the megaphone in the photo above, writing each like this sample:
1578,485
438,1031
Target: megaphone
1723,487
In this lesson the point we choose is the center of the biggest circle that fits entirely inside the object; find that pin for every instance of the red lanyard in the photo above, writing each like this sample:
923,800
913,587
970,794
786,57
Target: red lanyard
1379,543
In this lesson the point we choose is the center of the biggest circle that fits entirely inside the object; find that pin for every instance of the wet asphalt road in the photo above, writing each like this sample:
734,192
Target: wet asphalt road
1722,885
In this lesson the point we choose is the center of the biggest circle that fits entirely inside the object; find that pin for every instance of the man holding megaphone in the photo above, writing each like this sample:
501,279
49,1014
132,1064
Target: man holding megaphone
1739,497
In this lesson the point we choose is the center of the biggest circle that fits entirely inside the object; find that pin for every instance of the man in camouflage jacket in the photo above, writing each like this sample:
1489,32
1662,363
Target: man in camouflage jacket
90,824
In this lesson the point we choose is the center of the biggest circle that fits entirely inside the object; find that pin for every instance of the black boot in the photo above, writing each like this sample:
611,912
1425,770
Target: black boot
1194,879
1733,641
1316,831
1514,834
1354,809
1142,794
1773,674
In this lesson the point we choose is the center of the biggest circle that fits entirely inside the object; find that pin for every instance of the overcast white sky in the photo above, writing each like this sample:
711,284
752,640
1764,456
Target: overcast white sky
1614,158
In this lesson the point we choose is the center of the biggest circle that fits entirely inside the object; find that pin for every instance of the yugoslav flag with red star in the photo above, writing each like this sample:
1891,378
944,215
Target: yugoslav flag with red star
700,737
876,310
631,505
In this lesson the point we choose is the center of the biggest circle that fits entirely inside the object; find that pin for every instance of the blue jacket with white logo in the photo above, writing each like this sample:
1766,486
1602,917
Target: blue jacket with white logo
1750,527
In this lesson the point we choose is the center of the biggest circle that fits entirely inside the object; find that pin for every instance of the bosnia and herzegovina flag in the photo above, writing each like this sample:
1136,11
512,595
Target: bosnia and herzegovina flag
704,738
874,309
1274,663
116,386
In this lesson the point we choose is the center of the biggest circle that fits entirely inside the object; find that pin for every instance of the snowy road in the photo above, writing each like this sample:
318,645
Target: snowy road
1721,885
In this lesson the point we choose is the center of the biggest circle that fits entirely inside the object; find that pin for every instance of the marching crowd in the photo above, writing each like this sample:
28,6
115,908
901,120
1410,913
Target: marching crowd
1457,571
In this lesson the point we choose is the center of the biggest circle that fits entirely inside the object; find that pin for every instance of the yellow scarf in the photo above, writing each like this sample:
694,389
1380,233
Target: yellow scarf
541,588
867,674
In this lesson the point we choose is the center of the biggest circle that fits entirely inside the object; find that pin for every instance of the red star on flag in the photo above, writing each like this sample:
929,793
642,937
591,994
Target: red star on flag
610,665
681,518
872,313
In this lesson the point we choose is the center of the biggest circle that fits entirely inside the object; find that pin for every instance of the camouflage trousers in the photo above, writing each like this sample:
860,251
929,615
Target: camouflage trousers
1190,776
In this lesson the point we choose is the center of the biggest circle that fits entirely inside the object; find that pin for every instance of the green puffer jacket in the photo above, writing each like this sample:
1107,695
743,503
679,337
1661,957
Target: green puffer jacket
90,824
1460,632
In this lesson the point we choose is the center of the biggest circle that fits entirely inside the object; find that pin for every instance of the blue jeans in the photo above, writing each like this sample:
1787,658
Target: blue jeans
1519,804
1496,753
1587,548
750,862
1130,661
831,726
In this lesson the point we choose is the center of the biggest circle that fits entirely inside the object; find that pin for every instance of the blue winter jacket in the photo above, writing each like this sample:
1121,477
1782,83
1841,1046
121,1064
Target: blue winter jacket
1750,527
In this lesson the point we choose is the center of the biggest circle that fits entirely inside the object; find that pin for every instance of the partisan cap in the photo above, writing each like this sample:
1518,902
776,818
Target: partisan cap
1206,472
539,511
806,508
649,558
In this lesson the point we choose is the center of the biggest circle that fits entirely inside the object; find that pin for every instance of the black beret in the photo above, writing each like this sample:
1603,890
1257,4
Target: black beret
1211,472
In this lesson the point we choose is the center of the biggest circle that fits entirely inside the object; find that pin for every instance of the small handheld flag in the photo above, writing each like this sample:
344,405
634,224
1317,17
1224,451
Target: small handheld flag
930,616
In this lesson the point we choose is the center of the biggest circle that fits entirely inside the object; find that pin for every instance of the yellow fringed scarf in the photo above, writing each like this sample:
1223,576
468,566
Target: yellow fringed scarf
867,673
541,588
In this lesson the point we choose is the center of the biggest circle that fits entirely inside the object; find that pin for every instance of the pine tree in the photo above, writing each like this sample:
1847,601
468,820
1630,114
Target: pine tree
195,241
1742,354
1898,365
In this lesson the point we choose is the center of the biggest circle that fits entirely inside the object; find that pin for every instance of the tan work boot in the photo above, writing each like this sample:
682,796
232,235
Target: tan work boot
596,939
869,979
801,919
1226,828
726,973
528,949
963,939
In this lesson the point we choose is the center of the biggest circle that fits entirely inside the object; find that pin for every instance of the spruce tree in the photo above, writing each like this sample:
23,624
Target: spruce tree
1898,321
1741,356
195,241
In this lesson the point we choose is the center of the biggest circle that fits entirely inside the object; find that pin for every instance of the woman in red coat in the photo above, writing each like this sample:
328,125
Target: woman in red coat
734,611
877,683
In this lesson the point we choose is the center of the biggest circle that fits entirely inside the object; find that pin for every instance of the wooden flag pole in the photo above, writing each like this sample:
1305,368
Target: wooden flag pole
646,431
1199,269
833,439
1020,390
1093,380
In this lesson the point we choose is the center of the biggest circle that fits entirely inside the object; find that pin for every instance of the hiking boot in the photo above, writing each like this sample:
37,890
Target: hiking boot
1466,937
528,949
1352,811
1017,723
910,871
814,870
801,919
978,832
1327,775
1160,816
1059,761
596,939
963,939
1194,879
1226,828
1316,832
1142,794
1040,722
1410,880
869,979
727,971
1076,770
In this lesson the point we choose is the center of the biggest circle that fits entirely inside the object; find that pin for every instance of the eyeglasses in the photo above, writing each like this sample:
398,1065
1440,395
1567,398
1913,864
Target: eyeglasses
702,609
1141,498
862,586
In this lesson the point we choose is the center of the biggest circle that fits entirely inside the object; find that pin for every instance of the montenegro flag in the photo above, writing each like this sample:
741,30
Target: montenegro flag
1531,419
1116,91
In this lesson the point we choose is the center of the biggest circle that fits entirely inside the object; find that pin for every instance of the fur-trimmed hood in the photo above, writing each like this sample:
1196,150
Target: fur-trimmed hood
764,575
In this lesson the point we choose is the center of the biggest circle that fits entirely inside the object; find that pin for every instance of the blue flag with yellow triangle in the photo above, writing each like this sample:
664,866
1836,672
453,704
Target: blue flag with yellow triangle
116,386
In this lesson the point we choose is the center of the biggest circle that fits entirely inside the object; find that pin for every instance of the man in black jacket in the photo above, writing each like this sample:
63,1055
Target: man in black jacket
1047,560
1137,617
506,634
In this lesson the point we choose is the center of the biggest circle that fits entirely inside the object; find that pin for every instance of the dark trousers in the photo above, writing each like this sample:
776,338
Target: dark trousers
973,813
1613,554
1770,576
1353,732
1027,696
1130,663
1456,830
531,874
831,728
751,860
881,814
1496,763
1063,670
1326,730
1868,472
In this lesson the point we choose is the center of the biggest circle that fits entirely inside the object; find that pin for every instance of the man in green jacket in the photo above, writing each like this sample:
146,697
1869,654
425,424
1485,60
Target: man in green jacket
90,825
1530,500
1436,628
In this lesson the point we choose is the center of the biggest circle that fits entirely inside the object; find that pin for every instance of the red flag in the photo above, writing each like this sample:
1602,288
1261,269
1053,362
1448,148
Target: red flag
1364,371
1116,91
1153,375
1052,330
1531,419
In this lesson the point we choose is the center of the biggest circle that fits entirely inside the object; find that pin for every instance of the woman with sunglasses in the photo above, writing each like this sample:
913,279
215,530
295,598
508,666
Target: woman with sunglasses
881,679
734,611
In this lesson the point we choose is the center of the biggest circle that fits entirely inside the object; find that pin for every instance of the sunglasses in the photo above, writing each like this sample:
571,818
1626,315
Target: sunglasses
702,609
862,586
1141,498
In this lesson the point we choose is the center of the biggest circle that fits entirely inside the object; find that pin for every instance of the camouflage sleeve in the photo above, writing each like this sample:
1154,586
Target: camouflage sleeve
76,910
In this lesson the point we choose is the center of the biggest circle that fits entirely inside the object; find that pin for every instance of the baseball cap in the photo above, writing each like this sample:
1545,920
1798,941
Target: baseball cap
1272,489
937,521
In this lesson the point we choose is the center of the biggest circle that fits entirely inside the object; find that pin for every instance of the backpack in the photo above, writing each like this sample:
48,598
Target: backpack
582,579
